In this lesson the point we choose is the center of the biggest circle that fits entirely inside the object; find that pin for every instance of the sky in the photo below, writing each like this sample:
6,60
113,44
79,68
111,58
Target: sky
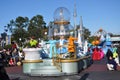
95,14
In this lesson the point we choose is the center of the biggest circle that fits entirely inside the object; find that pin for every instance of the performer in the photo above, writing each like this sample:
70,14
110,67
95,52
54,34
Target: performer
96,54
62,49
71,46
101,53
33,42
52,46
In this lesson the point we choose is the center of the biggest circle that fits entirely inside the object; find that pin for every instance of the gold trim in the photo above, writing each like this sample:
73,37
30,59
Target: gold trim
32,61
72,60
69,60
61,22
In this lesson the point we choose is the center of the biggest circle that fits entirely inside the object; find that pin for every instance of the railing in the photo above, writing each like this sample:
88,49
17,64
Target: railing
56,59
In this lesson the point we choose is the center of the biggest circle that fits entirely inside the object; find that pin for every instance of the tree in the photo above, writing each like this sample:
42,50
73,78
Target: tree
20,35
37,26
86,33
91,38
18,28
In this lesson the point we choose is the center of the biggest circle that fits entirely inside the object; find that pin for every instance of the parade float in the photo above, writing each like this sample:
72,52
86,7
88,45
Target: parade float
102,39
63,54
101,44
32,55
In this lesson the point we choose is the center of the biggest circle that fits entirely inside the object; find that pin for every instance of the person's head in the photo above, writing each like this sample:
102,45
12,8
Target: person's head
109,50
110,58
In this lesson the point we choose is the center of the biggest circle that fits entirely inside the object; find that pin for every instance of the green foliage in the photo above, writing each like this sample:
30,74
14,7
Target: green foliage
21,28
86,32
21,22
90,39
18,28
37,26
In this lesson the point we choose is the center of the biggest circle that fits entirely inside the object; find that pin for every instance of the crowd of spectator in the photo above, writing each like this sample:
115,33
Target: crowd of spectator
12,56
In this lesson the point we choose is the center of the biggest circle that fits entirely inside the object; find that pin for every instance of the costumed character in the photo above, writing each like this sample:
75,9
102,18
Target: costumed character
71,45
62,48
101,53
96,55
52,47
33,42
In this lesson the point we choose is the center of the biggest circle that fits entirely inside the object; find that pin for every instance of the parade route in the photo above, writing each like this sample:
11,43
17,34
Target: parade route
97,71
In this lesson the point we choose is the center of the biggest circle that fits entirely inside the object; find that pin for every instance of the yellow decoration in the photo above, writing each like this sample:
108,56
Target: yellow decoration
33,42
115,54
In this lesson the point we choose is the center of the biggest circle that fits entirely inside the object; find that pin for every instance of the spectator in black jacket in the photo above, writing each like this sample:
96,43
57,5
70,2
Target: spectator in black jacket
3,74
111,64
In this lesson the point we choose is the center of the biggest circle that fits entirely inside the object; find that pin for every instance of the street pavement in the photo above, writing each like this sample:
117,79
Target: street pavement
97,71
